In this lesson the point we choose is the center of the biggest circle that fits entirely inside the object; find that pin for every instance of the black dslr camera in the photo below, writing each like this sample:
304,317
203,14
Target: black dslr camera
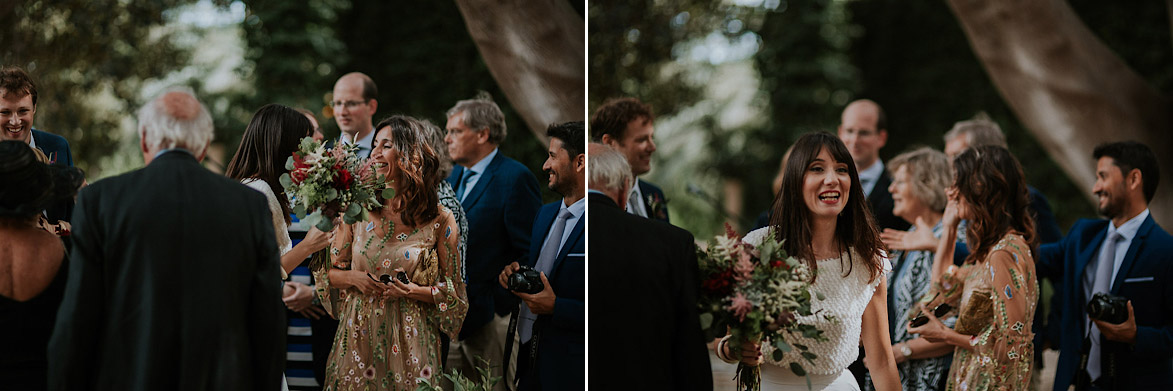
1108,308
526,280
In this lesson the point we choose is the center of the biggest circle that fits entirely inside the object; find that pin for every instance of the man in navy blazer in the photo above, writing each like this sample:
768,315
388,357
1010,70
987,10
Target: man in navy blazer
625,124
552,323
500,198
1138,353
18,107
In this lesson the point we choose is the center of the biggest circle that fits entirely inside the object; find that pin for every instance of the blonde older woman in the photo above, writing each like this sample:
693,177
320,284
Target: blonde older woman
919,179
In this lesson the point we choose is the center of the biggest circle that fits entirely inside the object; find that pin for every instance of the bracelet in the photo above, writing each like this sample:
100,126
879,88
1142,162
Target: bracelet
721,350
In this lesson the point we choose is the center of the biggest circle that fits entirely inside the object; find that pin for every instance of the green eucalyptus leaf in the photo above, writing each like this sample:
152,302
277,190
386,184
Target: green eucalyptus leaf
353,210
325,225
777,355
289,163
797,369
313,218
388,193
299,210
820,296
706,321
809,356
286,181
782,346
331,194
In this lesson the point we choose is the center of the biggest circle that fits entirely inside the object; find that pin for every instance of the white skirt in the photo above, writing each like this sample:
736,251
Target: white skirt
776,378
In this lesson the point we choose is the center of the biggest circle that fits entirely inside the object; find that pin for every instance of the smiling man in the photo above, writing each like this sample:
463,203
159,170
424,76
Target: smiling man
557,315
354,105
863,127
18,106
625,125
1127,255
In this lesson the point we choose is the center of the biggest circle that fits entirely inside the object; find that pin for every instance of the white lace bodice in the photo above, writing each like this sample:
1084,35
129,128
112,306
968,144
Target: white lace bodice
284,243
845,300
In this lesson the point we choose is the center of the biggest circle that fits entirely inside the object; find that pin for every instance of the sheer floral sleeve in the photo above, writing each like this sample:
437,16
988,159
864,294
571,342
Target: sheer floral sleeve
1008,340
449,291
340,258
947,289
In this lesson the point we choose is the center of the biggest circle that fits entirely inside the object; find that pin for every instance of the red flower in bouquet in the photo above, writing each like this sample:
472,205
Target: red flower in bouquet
755,293
324,187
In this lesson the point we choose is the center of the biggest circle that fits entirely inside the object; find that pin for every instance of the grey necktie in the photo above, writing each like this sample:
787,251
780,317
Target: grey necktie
633,204
1101,282
461,187
550,249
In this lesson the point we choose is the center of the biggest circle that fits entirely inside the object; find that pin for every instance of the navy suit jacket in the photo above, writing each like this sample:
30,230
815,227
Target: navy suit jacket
57,149
561,356
1145,277
654,201
500,210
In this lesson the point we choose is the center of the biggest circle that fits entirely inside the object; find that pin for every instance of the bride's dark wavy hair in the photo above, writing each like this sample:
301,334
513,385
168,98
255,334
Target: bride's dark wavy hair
854,228
418,169
993,186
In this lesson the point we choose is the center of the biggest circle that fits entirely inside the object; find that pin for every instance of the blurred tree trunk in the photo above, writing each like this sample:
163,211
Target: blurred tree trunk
534,49
1069,89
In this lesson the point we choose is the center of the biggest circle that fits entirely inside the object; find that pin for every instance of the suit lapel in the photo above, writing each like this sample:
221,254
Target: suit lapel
1086,256
571,242
454,177
1130,256
483,183
646,192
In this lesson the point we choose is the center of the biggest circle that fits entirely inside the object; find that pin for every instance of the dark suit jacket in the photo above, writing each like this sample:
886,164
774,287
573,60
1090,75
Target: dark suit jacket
57,149
1145,277
654,201
173,285
881,202
561,356
646,330
500,210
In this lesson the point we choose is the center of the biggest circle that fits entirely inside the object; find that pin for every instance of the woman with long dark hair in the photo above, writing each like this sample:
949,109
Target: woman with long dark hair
996,289
821,217
269,140
395,282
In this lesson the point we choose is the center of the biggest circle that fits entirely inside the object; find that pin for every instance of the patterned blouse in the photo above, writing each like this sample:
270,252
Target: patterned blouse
389,343
1002,352
909,281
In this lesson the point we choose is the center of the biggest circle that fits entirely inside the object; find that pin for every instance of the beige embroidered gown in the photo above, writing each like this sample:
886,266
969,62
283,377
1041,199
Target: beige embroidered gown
387,344
1003,350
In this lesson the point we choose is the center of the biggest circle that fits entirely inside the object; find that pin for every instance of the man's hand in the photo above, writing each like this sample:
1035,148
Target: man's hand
1124,332
301,300
540,303
503,278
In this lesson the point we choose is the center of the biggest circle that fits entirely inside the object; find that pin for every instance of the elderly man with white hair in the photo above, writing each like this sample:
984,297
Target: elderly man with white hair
644,279
173,278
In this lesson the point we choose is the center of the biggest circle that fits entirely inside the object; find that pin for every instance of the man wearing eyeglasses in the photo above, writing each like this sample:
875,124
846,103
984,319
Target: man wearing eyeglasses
354,106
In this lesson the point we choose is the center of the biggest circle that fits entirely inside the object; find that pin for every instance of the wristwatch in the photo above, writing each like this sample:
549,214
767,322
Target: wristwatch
905,350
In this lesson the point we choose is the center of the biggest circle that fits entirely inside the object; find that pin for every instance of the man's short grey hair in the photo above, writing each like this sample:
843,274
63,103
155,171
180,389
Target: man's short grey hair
980,131
160,129
928,175
435,137
608,168
480,113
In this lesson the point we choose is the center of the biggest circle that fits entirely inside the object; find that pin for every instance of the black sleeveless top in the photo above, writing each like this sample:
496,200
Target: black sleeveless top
25,328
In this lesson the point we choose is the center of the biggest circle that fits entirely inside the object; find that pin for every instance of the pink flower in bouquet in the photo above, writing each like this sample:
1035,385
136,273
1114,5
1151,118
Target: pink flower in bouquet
743,269
740,306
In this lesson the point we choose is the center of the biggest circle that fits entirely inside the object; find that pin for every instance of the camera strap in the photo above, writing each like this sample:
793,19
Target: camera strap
509,342
1083,380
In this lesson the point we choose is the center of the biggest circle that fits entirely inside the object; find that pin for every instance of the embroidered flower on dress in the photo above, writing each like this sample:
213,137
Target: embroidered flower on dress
370,226
407,318
437,225
346,379
426,373
407,254
1017,326
369,373
395,349
447,232
443,307
398,378
387,263
964,385
378,312
414,359
1008,294
402,236
1013,355
362,365
352,372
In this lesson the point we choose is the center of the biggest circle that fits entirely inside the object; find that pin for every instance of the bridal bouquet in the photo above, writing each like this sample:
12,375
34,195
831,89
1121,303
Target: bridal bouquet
755,293
327,183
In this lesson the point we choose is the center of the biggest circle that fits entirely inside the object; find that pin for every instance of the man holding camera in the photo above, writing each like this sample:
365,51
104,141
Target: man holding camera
1123,341
551,325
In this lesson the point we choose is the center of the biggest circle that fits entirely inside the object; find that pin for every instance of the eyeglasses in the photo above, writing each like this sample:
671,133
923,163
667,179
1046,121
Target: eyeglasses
349,104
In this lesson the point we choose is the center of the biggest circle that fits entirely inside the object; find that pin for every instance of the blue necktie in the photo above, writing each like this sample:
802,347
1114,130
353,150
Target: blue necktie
525,326
461,187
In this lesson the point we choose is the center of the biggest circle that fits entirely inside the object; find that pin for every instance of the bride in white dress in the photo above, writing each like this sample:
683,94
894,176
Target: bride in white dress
271,137
821,214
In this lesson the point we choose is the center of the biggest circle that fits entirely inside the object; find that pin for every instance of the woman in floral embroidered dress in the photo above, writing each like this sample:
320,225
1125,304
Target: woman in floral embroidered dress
389,334
990,192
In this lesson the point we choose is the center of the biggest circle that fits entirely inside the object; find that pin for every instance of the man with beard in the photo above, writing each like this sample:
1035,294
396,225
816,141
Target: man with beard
1127,255
551,325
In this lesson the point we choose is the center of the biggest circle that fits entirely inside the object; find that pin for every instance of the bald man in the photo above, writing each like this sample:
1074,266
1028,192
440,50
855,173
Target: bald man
354,108
173,278
863,127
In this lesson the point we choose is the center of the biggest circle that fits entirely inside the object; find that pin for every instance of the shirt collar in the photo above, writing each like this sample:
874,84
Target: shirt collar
872,174
173,150
481,165
363,143
576,209
1129,228
32,140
